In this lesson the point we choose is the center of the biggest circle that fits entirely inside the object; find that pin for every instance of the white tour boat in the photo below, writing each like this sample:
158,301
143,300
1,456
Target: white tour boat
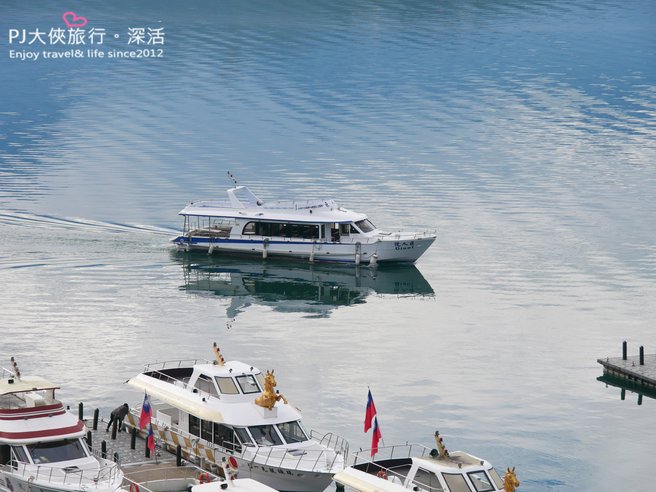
318,230
420,469
216,410
41,444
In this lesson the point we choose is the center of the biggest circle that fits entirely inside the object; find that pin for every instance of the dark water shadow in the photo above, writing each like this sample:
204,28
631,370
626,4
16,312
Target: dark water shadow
315,289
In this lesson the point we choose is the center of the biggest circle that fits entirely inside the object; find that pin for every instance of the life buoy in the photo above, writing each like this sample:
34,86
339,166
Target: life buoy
382,474
134,487
204,478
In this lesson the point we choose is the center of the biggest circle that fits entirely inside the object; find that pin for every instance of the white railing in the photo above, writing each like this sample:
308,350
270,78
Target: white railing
389,452
155,369
275,456
108,472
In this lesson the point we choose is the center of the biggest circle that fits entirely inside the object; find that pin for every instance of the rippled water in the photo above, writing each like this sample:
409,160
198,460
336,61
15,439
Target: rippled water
523,131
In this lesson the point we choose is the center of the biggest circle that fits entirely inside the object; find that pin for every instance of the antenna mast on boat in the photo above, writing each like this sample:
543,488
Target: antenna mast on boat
14,368
232,178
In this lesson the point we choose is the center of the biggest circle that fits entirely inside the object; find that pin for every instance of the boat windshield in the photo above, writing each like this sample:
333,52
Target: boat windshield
292,432
247,384
265,435
365,225
481,481
50,452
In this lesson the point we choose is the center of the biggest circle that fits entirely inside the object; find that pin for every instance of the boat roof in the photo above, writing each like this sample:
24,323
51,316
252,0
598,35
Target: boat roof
251,207
13,385
238,409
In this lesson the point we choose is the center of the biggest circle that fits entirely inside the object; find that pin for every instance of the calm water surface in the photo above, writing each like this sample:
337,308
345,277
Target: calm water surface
523,131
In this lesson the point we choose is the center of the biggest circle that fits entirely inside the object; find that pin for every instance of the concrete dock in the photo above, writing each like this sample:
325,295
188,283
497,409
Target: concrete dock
636,373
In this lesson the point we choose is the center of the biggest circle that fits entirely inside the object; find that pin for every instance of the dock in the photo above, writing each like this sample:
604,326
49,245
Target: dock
142,472
636,373
120,448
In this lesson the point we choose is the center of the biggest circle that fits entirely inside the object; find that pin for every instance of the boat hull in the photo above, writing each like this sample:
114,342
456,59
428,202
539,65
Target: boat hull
395,249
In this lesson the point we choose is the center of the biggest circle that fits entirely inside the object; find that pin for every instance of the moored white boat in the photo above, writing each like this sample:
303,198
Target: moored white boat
421,469
229,409
314,230
41,444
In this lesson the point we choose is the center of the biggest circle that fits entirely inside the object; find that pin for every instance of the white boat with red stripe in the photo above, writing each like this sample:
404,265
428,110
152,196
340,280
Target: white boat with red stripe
42,445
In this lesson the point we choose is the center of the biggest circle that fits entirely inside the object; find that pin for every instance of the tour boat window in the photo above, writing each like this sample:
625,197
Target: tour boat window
19,454
427,480
227,386
260,379
224,436
365,225
497,479
194,425
249,229
456,482
50,452
265,435
206,430
243,437
205,383
247,384
481,481
347,229
292,432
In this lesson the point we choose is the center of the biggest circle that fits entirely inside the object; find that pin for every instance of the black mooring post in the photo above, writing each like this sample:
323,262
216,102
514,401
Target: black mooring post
639,399
622,394
147,448
624,350
642,355
103,449
116,458
133,438
114,428
89,440
80,411
96,414
178,455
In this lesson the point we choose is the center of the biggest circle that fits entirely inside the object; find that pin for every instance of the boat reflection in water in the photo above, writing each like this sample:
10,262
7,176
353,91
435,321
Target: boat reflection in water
302,287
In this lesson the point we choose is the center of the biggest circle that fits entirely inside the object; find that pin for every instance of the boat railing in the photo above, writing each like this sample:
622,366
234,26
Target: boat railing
173,364
274,456
71,475
183,383
142,478
389,452
301,458
332,441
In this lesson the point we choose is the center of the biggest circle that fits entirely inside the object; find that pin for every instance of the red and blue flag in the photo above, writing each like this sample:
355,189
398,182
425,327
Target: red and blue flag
375,437
150,440
370,413
146,413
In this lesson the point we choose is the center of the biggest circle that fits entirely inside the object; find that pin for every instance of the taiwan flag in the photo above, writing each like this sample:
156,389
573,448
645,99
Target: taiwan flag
375,437
370,413
150,440
146,413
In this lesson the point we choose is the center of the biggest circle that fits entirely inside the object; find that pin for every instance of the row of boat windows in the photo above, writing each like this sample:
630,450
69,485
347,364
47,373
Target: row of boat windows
233,438
44,452
456,482
304,231
245,384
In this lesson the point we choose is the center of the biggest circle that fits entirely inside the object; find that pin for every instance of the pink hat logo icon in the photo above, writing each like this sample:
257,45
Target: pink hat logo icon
71,19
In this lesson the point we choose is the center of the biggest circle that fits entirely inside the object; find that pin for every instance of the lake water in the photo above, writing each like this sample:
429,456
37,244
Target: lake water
523,131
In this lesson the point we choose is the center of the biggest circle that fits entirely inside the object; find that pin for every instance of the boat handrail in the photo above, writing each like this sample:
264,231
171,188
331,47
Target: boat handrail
108,472
173,364
184,384
332,441
408,450
271,455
